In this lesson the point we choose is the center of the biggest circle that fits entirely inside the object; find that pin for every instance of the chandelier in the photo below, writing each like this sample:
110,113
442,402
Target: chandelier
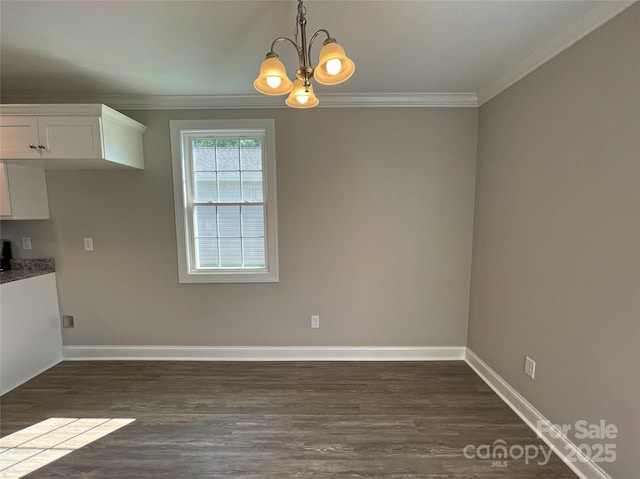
333,66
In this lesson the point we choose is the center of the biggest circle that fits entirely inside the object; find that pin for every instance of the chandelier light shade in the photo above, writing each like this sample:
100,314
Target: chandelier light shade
273,78
333,66
301,96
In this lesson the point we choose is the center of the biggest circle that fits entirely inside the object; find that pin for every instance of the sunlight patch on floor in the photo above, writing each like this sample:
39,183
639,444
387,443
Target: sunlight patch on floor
36,446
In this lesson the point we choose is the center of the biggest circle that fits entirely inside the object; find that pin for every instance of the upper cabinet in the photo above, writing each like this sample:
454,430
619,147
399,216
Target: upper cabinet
56,137
19,137
59,137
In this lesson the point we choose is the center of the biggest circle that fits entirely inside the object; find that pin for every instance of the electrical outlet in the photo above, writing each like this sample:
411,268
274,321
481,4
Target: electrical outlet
530,367
67,321
315,322
26,243
88,244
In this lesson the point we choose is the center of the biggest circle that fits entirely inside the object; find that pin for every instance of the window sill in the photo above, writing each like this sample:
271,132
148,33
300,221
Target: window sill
239,277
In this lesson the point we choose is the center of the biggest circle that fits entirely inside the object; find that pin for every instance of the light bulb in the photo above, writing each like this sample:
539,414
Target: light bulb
334,66
302,99
274,82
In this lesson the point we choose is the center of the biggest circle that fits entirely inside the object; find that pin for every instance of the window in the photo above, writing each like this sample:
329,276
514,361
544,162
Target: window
224,181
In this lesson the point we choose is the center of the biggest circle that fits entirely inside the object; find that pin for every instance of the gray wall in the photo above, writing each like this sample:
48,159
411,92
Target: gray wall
556,267
375,227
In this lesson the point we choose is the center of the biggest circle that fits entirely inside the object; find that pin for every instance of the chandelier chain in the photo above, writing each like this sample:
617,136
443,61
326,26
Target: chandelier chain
302,12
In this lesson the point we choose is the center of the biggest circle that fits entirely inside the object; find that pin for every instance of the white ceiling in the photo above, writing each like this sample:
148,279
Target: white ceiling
403,50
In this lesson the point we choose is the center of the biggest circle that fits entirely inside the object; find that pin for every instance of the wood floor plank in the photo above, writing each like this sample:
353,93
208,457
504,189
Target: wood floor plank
264,420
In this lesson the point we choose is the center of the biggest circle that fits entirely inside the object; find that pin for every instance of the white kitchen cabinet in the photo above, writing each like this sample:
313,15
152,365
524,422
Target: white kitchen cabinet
19,137
35,137
70,137
23,193
5,196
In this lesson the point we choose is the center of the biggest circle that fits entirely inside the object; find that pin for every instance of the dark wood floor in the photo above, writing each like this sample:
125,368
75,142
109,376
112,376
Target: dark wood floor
276,420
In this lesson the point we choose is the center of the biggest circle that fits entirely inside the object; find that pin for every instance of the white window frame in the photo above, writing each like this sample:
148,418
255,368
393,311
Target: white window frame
181,133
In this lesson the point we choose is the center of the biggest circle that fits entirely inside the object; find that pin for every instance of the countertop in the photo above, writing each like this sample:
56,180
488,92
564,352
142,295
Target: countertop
27,268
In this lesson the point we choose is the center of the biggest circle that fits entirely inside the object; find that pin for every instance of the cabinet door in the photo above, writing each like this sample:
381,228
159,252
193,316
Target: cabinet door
70,137
18,137
5,197
27,191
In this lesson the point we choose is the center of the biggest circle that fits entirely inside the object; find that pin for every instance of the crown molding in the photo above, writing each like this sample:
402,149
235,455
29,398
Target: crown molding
574,32
206,102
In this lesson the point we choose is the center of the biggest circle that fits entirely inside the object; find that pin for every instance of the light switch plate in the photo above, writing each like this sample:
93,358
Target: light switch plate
315,322
26,243
88,244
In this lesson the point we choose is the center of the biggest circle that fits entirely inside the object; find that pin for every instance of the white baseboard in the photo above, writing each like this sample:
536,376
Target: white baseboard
583,466
264,353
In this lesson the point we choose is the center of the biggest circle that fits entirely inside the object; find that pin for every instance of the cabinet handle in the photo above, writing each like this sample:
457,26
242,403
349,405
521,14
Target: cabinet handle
33,147
42,146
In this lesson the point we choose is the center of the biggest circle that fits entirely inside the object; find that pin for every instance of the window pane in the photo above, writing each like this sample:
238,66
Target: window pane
229,221
229,184
203,143
228,159
204,159
253,221
207,253
252,187
251,158
230,252
253,252
206,223
206,188
250,142
227,143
